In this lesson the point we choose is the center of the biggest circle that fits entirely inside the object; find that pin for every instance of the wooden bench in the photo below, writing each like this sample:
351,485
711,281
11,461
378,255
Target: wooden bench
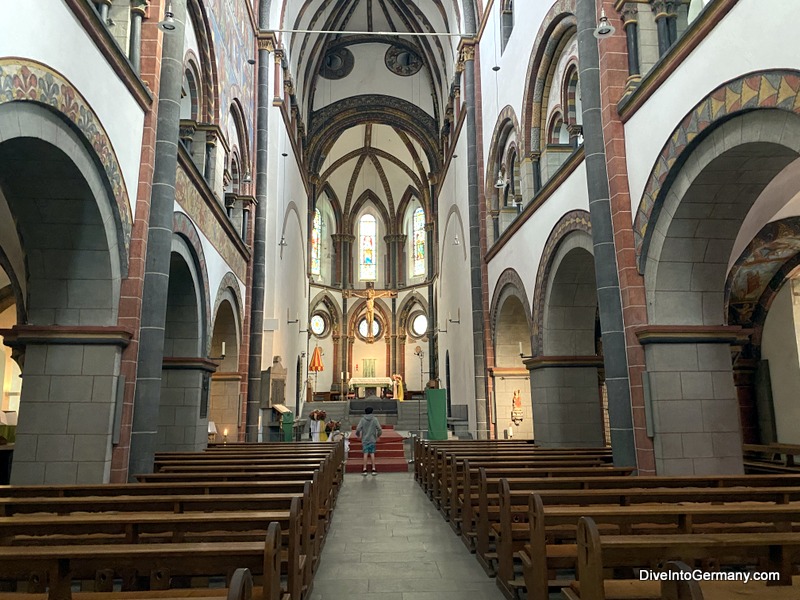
53,568
597,554
771,458
552,532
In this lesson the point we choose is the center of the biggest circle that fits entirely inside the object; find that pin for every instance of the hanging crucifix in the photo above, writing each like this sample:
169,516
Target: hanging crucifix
369,310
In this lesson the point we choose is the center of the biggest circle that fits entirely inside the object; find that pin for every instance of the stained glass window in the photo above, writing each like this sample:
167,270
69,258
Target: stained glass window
419,242
367,255
316,244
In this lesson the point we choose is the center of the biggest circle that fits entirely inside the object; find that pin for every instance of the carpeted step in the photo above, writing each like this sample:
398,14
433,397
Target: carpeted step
384,465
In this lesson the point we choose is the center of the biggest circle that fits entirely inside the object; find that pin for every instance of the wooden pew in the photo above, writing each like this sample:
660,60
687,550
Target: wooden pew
777,552
771,458
55,567
552,532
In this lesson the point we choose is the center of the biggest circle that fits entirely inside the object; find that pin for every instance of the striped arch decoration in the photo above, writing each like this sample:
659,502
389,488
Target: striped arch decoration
23,80
559,21
570,94
576,220
229,281
506,124
182,225
508,284
778,89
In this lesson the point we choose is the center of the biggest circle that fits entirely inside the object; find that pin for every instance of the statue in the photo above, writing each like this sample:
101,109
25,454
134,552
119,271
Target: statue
397,391
369,312
516,412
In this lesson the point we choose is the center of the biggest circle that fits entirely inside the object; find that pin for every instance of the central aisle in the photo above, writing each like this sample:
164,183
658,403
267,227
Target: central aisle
388,542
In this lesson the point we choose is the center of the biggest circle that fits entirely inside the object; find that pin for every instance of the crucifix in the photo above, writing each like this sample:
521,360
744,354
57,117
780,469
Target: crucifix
369,311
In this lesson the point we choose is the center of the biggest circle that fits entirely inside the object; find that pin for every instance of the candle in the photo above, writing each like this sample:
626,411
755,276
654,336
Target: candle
342,374
223,348
520,348
225,432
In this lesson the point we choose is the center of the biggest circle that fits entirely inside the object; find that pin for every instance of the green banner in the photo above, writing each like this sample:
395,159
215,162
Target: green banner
437,414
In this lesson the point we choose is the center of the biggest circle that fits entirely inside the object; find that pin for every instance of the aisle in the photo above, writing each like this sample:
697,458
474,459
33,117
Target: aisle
388,542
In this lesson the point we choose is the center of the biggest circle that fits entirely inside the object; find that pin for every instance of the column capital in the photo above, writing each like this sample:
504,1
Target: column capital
562,362
189,363
692,334
138,7
267,41
343,237
278,53
629,13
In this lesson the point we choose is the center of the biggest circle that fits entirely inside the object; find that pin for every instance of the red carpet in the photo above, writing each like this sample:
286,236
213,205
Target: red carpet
389,453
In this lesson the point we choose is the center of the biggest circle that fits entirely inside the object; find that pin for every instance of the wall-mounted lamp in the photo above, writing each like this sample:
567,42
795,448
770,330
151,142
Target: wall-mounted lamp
251,61
247,178
291,321
167,25
450,318
500,183
221,355
456,241
283,243
604,27
522,354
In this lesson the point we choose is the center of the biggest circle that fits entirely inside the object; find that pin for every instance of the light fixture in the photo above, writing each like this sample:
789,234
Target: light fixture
456,241
251,61
167,25
247,178
501,182
604,27
495,68
283,243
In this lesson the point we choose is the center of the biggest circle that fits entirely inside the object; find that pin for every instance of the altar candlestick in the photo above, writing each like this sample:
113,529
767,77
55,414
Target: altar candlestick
223,348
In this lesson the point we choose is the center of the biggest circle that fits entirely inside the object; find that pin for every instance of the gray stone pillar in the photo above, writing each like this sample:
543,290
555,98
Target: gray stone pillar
433,329
608,291
475,258
135,49
159,244
69,402
183,414
255,359
693,404
565,396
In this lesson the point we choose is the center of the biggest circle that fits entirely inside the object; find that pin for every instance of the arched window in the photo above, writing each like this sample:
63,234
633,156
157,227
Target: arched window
419,242
506,21
367,248
316,244
189,95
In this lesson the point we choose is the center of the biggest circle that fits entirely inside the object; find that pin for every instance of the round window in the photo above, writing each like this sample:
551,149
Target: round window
364,332
419,326
318,325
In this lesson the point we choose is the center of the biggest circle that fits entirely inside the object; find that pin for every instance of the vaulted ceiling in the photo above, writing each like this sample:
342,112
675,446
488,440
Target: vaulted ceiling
372,95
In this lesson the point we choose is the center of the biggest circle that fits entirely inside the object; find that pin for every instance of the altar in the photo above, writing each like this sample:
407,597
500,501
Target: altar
369,386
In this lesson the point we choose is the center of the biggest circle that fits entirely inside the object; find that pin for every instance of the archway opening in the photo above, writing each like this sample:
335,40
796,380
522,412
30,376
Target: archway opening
225,409
514,417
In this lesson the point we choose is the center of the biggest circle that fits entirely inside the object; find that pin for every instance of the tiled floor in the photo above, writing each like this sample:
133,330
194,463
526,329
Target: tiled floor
388,542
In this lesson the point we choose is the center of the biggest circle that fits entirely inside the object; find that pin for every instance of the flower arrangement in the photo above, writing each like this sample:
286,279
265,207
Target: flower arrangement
318,415
333,426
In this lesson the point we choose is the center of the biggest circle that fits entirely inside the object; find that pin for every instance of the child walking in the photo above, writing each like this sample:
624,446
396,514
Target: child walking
368,431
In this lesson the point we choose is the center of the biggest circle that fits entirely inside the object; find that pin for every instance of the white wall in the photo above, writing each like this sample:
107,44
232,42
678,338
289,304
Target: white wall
453,286
780,347
735,47
48,32
523,252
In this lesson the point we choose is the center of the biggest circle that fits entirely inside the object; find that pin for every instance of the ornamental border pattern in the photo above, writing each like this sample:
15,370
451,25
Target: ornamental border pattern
779,89
25,80
576,220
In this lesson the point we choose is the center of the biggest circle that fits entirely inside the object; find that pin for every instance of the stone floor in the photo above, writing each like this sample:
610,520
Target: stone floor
388,542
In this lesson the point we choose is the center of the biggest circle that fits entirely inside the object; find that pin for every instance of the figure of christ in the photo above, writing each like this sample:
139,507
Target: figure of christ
369,312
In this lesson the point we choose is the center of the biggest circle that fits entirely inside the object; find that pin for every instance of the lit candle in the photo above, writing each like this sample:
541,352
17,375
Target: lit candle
223,348
225,432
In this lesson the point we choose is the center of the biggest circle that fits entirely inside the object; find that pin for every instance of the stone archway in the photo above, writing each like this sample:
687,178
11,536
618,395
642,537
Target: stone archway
65,249
686,262
225,408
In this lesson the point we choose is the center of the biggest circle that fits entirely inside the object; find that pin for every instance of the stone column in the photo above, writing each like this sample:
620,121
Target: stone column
608,288
347,260
467,63
102,8
138,8
159,246
402,267
433,330
630,23
575,133
259,265
666,17
391,245
567,410
694,408
336,265
69,410
744,378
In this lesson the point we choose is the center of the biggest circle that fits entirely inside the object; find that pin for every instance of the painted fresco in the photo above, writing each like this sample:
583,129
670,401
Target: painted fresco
773,247
195,206
234,43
